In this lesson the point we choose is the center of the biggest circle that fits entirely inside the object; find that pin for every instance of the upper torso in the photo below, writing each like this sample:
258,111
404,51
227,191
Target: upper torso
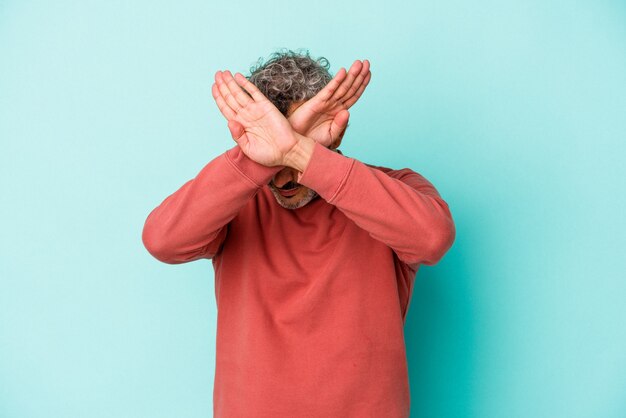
311,311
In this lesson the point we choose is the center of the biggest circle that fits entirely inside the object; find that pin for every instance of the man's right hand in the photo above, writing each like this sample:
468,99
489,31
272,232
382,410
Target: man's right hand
258,127
325,116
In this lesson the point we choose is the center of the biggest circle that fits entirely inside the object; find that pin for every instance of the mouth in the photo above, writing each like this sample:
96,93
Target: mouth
289,189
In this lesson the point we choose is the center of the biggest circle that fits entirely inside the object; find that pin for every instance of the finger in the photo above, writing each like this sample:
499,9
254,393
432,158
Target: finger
221,104
357,81
355,69
238,133
330,88
348,103
236,130
242,98
226,93
249,87
339,124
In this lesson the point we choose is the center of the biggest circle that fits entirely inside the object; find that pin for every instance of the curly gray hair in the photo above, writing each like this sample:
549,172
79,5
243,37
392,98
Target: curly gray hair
290,76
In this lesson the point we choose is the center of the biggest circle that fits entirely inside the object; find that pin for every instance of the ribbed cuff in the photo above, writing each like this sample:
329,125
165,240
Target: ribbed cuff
326,172
256,173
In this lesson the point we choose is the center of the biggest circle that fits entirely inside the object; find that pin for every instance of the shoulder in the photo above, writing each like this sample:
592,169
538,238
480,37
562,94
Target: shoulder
410,177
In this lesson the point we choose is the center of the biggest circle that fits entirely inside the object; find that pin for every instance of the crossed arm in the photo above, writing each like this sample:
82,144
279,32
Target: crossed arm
191,223
406,213
402,210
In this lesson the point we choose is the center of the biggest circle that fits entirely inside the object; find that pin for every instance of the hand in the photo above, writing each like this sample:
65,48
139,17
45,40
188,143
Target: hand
262,132
325,116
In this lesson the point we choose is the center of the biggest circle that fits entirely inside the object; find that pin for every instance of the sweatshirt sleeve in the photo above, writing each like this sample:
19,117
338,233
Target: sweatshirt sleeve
405,213
192,222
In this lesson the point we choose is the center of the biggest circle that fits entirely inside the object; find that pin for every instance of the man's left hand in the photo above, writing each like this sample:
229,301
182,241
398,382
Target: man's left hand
325,116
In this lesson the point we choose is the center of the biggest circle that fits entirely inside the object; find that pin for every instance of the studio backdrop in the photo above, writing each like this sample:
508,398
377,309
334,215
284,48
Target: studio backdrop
515,111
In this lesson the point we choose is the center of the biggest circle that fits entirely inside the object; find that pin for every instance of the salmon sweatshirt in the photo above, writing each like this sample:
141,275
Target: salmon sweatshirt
311,302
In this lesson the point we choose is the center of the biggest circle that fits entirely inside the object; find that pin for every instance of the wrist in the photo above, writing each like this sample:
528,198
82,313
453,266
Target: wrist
299,155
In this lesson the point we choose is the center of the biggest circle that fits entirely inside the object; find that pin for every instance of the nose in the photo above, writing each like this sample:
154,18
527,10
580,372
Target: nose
284,176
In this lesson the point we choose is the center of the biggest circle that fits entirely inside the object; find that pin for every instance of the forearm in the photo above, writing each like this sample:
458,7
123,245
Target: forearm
191,223
408,215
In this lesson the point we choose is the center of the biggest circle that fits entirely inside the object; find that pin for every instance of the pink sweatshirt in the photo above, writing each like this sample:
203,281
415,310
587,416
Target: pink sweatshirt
311,302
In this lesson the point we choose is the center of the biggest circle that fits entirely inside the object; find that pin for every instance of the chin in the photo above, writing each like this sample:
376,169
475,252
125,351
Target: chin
294,202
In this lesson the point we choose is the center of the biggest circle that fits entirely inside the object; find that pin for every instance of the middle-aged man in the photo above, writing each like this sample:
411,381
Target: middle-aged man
315,253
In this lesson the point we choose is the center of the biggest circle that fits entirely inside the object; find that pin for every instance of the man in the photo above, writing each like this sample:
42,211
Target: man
315,253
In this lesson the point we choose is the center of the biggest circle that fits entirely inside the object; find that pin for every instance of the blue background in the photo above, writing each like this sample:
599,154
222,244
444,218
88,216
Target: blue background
515,110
